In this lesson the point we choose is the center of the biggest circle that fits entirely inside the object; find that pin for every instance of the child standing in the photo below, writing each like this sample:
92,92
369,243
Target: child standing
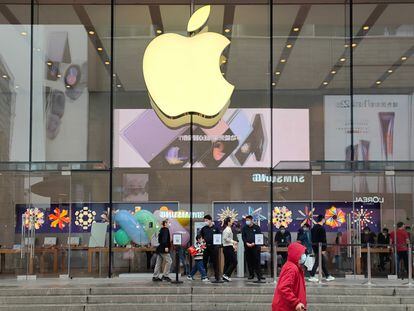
199,248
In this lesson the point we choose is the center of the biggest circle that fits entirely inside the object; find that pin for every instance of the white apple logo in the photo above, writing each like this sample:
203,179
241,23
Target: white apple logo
183,76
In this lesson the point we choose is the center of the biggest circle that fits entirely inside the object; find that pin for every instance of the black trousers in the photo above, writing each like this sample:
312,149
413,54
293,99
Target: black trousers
211,255
402,256
315,266
253,261
230,260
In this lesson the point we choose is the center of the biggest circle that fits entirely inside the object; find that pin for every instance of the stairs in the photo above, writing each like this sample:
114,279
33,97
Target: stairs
105,295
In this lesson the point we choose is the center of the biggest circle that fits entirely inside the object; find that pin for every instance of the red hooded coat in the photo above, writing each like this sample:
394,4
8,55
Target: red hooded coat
290,290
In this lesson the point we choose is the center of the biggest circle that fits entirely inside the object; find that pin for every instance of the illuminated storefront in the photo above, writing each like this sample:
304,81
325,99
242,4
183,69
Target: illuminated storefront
320,121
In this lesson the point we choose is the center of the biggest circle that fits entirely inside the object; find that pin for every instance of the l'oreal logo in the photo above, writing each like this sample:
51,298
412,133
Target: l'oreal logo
374,199
280,179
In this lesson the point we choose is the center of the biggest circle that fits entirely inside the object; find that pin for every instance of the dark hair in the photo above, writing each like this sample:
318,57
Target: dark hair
208,217
367,229
306,225
407,228
164,222
385,229
400,224
280,228
319,218
226,221
249,217
198,237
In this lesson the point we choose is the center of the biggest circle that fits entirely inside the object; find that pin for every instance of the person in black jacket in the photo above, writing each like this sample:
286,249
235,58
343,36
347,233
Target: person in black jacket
383,242
367,236
283,239
163,254
318,235
252,251
211,252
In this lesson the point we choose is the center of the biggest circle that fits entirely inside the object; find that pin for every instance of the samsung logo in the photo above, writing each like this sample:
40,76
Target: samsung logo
279,179
374,199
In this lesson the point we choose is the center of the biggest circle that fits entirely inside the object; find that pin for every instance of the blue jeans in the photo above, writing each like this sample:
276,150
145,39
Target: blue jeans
199,266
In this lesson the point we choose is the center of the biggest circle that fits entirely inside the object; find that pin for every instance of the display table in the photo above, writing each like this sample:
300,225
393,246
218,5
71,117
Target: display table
373,250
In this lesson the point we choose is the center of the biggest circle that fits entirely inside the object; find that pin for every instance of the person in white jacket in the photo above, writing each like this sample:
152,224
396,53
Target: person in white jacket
229,250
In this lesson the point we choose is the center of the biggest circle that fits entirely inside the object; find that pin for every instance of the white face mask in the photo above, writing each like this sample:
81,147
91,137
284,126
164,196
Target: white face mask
302,259
248,222
207,223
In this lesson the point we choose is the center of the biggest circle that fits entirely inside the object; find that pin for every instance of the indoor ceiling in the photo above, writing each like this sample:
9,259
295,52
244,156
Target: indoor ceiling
310,46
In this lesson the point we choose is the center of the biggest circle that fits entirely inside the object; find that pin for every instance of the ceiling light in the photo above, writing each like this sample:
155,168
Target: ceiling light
325,83
404,58
58,76
68,86
365,27
289,46
333,72
296,29
4,76
107,63
49,63
346,46
390,70
378,82
227,30
223,73
354,45
23,33
273,83
118,85
343,59
100,49
16,86
283,60
159,31
277,73
91,32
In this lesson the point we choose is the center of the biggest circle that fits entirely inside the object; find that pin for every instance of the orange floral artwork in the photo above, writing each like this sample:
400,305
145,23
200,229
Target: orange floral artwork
59,218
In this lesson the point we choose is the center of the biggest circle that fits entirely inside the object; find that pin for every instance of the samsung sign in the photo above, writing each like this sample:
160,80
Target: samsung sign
278,179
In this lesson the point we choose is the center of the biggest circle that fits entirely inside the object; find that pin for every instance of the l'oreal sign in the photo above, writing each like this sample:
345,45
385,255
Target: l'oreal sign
279,179
373,199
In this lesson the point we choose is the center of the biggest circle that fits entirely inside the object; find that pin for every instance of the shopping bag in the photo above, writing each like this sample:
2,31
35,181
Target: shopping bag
192,251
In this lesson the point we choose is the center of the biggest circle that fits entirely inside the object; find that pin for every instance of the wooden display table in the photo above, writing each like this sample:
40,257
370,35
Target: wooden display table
373,250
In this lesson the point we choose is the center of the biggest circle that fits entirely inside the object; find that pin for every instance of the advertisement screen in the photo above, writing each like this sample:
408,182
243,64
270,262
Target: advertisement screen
240,139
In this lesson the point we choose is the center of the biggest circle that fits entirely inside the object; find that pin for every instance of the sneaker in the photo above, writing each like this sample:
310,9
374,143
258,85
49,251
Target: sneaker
226,278
190,278
166,279
313,279
330,278
154,279
205,280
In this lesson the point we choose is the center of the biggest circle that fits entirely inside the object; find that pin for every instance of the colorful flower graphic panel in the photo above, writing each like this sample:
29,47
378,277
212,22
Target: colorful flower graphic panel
34,217
282,216
59,218
85,218
227,212
335,217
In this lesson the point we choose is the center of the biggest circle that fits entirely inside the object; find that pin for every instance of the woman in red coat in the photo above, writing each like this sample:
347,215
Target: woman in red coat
290,293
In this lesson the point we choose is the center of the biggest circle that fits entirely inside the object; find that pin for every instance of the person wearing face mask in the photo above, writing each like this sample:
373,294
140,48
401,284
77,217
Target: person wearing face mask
383,242
290,293
283,239
304,237
367,236
252,251
163,254
211,252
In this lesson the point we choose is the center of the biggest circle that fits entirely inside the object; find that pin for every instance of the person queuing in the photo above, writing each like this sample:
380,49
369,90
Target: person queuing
367,236
283,239
229,250
304,237
290,293
401,238
252,251
318,234
383,242
211,251
199,248
163,254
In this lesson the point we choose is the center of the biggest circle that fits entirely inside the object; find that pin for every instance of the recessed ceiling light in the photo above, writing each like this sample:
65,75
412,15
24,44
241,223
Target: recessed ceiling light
333,72
91,32
273,83
107,63
4,76
404,58
296,29
100,49
365,27
378,82
223,73
283,60
346,46
23,33
58,76
354,45
68,86
159,31
118,85
325,83
16,86
289,46
390,70
343,59
277,73
227,30
49,63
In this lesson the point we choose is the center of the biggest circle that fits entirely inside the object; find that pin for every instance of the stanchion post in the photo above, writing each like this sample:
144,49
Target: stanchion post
177,239
369,264
410,265
275,265
320,263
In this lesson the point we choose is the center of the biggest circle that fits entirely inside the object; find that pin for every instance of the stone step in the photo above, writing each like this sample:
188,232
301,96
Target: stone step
146,299
39,300
162,290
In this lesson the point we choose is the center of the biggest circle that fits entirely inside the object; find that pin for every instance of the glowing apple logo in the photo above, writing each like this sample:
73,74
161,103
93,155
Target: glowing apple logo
183,74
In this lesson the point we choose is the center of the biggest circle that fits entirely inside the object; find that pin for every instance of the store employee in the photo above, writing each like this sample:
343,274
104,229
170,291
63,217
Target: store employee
211,251
252,251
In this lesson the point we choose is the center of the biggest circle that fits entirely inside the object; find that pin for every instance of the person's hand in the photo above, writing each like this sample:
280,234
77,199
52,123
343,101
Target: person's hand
166,249
253,244
300,307
248,245
324,253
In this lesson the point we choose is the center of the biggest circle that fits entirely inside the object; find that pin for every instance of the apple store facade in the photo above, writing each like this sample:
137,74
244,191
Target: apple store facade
81,142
